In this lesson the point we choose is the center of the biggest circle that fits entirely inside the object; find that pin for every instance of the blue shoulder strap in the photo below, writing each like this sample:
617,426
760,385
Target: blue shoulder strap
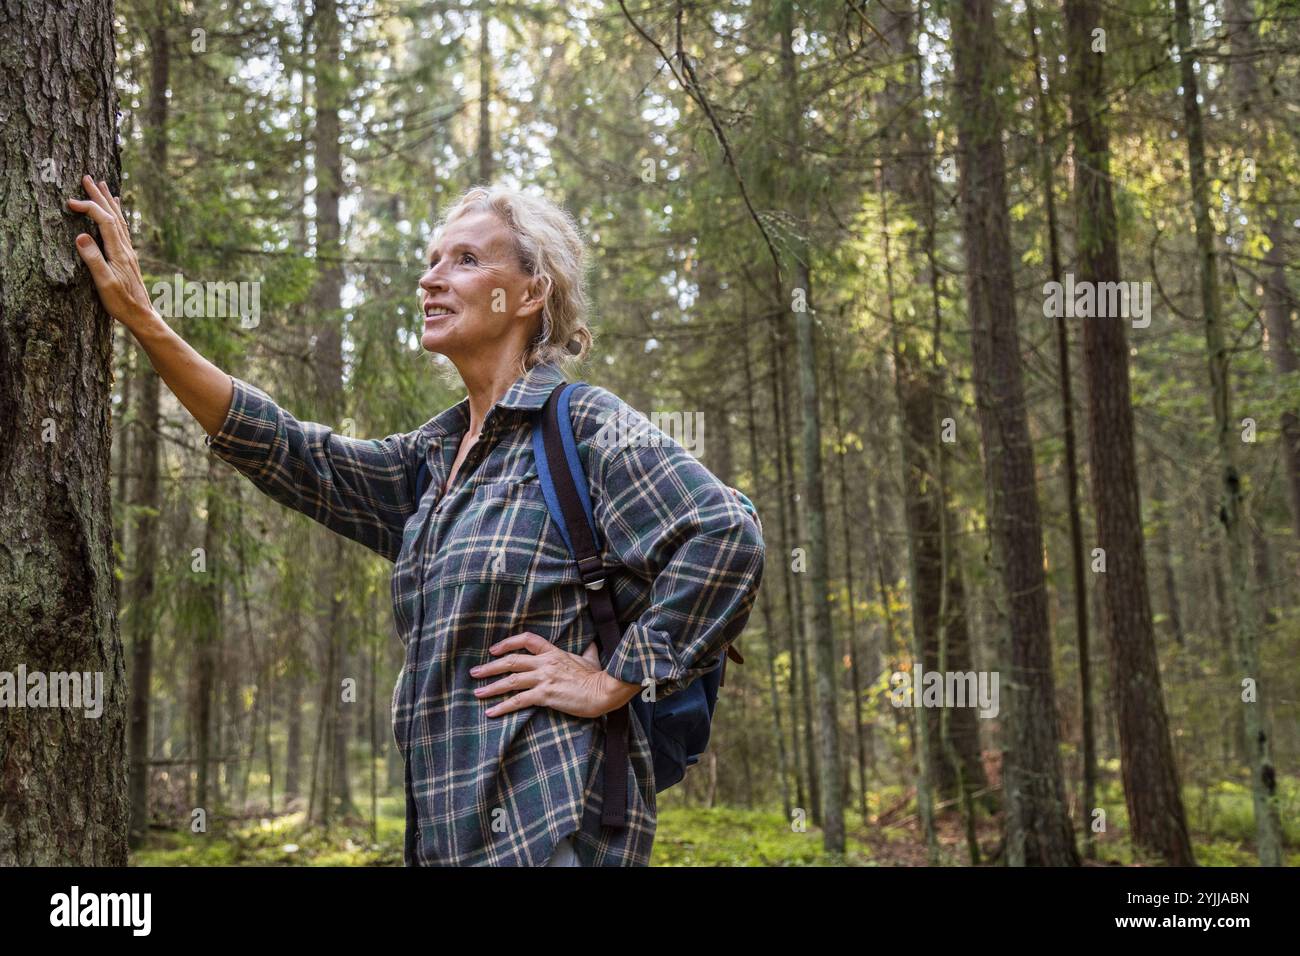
571,458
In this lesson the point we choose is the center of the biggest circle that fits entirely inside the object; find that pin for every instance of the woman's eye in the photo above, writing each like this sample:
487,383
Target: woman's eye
467,255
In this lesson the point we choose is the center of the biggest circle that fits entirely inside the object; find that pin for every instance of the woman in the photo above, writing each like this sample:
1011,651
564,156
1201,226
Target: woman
499,708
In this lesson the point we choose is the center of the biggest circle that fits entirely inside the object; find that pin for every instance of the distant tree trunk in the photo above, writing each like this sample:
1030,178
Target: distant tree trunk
484,92
207,630
141,616
1038,826
1263,565
1256,114
1232,510
122,466
765,597
860,728
788,526
293,719
939,620
1165,555
63,790
1077,567
800,635
916,423
819,619
1279,302
1151,789
327,297
342,725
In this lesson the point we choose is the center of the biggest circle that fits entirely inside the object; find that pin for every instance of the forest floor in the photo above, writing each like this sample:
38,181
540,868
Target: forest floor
715,836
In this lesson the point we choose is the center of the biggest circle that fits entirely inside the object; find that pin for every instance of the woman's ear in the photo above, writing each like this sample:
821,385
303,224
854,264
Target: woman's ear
539,289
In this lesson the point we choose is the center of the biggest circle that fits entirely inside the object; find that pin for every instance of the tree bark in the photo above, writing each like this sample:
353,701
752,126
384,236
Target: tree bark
1151,788
1038,826
63,774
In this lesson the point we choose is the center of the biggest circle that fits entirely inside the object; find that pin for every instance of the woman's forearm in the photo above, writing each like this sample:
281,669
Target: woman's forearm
201,387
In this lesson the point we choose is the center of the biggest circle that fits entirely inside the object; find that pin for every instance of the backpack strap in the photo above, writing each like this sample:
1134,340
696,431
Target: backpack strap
564,486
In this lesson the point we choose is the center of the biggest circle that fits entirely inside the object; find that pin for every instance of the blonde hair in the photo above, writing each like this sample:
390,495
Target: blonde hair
550,247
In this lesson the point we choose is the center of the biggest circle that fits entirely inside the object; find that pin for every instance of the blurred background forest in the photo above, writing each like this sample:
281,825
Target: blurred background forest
828,227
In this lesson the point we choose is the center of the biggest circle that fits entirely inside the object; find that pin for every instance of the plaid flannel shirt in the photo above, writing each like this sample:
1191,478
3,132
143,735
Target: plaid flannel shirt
485,561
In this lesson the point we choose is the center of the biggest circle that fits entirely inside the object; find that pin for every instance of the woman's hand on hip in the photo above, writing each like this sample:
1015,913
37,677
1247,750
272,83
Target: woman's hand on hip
539,674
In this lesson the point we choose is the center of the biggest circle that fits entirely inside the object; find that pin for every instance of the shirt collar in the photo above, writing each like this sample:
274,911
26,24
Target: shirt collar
528,393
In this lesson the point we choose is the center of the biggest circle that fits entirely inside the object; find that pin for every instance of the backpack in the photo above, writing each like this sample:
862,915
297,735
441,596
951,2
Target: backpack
677,727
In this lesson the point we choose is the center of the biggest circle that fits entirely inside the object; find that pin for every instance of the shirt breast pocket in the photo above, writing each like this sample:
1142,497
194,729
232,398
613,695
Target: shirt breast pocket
506,536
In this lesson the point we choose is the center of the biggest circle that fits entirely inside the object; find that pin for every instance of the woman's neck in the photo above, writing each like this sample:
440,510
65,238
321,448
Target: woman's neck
487,380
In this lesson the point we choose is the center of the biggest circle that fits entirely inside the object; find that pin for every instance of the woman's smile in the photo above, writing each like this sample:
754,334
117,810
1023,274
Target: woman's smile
433,316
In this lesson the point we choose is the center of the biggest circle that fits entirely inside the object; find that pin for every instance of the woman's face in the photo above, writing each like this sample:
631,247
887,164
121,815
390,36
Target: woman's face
474,295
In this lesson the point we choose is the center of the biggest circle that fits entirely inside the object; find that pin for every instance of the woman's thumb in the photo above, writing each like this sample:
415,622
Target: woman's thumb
92,257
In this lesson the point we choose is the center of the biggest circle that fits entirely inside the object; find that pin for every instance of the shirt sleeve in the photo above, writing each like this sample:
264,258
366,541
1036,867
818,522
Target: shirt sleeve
362,489
669,519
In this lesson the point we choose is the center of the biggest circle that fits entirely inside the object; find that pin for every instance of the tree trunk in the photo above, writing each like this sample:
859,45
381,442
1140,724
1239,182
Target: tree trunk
1038,826
785,523
484,92
63,774
1279,302
140,613
851,640
207,631
327,297
1151,789
1257,115
1232,504
820,624
1077,566
293,718
765,600
937,592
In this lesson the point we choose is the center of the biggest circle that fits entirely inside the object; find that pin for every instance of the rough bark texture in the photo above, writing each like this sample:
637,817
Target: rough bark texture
1038,826
63,775
1157,820
1232,510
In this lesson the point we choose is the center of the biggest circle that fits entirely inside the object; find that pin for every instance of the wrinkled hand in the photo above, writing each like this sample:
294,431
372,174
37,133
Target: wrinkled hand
117,279
539,674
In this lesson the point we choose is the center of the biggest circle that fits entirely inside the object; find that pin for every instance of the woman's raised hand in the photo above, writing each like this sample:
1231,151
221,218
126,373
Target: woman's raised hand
202,388
118,279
